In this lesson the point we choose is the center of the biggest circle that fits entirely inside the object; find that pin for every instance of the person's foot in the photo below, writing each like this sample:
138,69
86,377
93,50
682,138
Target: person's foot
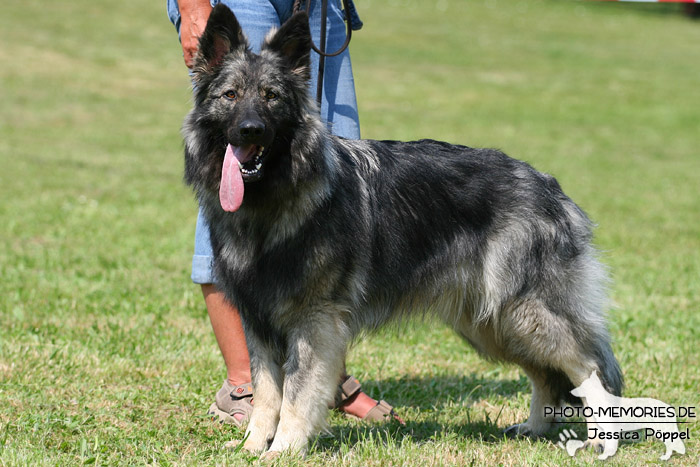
234,404
355,403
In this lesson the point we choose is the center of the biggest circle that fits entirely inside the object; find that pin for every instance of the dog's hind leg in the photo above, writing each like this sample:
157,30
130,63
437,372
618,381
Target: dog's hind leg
316,350
542,397
516,337
548,346
577,364
267,389
593,352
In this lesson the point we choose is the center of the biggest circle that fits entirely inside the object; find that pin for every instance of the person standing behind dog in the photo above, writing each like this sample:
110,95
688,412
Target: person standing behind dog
339,107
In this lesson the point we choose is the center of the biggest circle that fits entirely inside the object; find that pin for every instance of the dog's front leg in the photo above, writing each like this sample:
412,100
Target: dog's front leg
315,361
267,392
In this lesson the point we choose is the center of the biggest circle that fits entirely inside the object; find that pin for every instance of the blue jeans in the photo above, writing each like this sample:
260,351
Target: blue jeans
339,106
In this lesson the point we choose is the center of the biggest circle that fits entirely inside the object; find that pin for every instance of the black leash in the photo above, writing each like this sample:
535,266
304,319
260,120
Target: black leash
321,49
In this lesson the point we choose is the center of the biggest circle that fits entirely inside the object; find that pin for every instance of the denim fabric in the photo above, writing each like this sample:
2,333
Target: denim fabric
339,106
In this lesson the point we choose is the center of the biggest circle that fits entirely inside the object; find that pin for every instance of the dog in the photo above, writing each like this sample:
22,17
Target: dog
613,416
317,239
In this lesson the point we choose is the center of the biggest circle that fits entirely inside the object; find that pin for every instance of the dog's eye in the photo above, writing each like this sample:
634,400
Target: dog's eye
230,94
270,95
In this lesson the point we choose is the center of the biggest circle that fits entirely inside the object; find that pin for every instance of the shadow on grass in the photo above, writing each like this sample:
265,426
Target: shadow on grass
432,395
648,8
439,391
392,434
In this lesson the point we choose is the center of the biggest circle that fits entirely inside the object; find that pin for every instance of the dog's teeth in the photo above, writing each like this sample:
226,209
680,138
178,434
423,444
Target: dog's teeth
240,166
257,167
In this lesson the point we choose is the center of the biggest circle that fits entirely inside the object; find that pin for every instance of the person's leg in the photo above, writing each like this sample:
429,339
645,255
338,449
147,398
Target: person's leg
230,406
256,18
234,401
228,330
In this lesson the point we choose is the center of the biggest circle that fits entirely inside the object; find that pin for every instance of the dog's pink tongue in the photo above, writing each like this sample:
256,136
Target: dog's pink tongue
231,189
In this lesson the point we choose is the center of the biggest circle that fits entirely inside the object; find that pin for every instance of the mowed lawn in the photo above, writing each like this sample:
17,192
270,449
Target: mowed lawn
106,352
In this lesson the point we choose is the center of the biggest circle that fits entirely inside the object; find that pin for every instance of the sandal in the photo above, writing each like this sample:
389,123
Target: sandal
231,401
238,400
381,412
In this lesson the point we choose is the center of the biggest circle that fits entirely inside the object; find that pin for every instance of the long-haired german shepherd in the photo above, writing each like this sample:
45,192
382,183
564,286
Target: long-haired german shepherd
317,238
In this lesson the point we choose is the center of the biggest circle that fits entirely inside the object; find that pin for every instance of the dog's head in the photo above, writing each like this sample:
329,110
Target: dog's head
249,105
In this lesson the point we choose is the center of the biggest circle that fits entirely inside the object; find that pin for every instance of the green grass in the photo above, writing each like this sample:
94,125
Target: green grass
106,355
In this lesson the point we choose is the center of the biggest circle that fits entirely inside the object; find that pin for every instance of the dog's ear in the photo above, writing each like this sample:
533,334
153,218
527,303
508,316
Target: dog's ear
222,35
292,41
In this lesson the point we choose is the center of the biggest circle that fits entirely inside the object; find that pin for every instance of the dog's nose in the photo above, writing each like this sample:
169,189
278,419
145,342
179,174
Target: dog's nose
251,129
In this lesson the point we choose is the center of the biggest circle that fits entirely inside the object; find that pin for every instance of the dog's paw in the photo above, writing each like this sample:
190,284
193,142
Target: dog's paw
256,446
598,445
527,430
521,430
234,444
258,440
269,456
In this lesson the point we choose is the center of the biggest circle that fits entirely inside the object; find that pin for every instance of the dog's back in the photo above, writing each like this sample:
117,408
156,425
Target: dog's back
490,244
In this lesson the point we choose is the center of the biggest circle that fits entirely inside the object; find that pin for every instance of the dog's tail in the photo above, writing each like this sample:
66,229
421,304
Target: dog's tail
610,373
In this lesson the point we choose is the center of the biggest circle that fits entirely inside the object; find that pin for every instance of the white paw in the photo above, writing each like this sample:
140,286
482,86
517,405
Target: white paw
255,442
270,455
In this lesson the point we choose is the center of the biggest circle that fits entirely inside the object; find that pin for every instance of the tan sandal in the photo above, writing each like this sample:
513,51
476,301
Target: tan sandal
231,401
381,412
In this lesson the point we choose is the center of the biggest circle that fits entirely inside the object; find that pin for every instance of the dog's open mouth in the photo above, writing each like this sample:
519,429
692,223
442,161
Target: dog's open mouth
251,162
241,164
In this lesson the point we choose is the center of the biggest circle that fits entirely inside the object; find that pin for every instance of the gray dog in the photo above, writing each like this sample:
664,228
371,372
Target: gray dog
317,238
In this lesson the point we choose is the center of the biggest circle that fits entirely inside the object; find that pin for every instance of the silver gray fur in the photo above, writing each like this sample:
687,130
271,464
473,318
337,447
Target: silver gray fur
335,237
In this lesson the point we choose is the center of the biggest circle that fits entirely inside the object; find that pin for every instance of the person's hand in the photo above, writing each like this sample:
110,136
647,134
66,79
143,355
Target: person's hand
194,15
